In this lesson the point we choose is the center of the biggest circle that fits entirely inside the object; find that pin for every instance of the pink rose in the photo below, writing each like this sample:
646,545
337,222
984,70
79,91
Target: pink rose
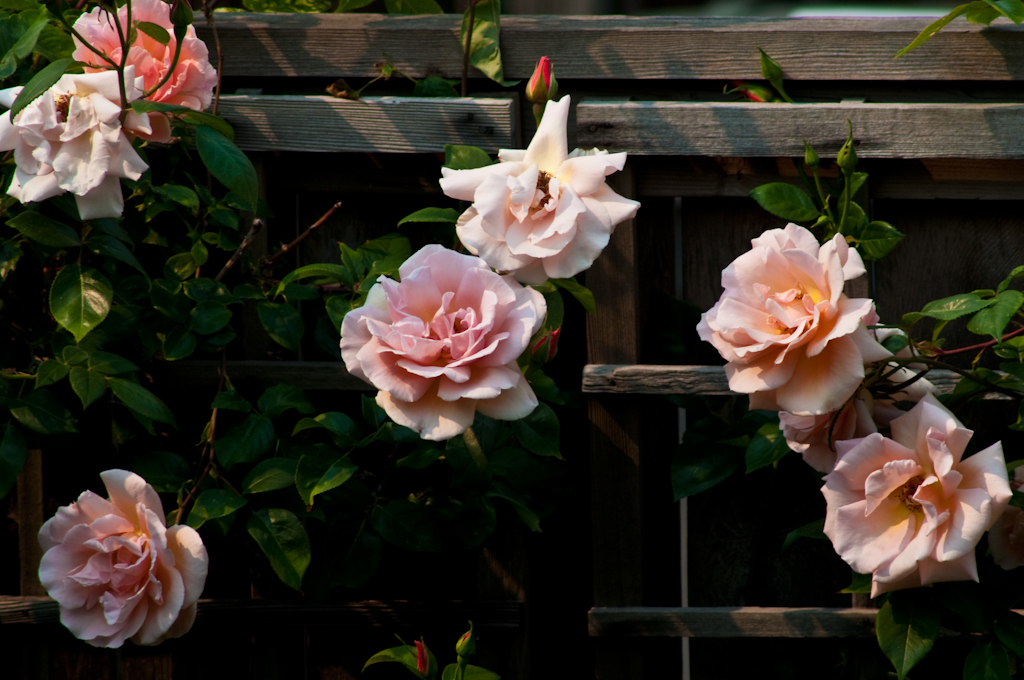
116,571
193,80
909,510
442,344
543,212
1006,538
793,340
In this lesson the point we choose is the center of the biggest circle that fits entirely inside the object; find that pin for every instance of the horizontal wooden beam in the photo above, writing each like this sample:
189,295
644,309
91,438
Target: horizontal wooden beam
701,380
607,47
884,130
306,375
372,124
374,613
732,622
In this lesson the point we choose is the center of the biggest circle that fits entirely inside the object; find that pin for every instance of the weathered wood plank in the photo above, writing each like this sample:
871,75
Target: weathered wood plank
307,375
372,124
392,614
603,47
991,131
703,380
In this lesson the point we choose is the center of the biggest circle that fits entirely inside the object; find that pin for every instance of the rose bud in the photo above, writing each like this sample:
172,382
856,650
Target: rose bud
181,13
810,156
421,658
542,85
545,349
466,646
755,93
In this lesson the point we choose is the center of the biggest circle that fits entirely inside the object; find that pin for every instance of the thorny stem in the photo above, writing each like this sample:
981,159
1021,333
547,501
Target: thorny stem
823,197
257,224
269,261
125,49
980,345
469,40
935,363
222,376
208,12
83,41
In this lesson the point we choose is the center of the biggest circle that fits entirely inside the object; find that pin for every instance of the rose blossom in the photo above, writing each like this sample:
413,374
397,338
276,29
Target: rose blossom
793,340
70,139
116,571
543,212
442,344
1006,538
909,510
193,79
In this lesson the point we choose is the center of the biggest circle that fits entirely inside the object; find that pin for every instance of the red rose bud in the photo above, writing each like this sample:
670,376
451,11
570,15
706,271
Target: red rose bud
421,658
466,646
546,348
181,14
542,85
755,93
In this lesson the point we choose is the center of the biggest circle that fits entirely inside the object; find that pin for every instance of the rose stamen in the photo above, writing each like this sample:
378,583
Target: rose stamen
905,494
62,102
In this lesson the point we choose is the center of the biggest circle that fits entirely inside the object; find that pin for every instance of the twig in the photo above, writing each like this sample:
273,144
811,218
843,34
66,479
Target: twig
928,361
257,224
469,40
269,261
222,376
981,345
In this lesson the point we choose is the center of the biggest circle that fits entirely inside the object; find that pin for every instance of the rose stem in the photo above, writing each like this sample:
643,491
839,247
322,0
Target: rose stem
221,376
257,224
981,345
269,261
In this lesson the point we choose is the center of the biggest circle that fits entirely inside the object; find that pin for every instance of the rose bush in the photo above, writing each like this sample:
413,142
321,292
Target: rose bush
792,338
116,571
1006,537
909,510
71,139
442,343
193,80
541,212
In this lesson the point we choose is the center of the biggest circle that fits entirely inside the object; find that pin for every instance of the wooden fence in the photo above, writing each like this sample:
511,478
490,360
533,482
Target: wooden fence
939,130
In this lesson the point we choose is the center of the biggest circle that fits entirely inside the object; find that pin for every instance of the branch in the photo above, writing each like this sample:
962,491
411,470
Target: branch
928,361
257,224
269,261
222,372
981,345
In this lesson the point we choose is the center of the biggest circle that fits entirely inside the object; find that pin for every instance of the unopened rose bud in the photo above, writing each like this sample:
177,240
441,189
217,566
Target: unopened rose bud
181,13
810,156
755,93
422,663
545,349
466,646
847,158
542,85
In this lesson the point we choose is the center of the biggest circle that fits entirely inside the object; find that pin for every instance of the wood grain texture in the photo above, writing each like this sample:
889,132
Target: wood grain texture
325,124
391,614
752,129
306,375
30,519
702,380
603,47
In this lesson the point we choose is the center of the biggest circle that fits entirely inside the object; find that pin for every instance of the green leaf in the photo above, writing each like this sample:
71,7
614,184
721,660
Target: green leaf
163,470
101,244
407,525
40,412
952,307
877,239
191,115
334,273
361,560
282,323
993,319
80,299
283,540
88,385
693,471
10,253
181,266
141,400
987,661
228,164
984,16
1009,629
154,31
13,453
54,44
178,344
208,289
1011,9
110,364
539,432
578,291
861,585
420,458
906,627
435,86
270,475
413,7
246,442
231,400
813,529
484,50
529,518
179,194
772,72
73,355
199,253
433,215
49,372
349,5
405,655
213,504
316,475
458,157
208,317
279,398
40,83
45,231
27,25
342,428
766,447
939,24
786,201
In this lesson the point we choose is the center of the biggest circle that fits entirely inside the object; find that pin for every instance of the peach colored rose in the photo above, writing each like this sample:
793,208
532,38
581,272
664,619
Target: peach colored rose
71,139
793,340
442,344
543,212
193,80
116,571
909,510
1006,538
